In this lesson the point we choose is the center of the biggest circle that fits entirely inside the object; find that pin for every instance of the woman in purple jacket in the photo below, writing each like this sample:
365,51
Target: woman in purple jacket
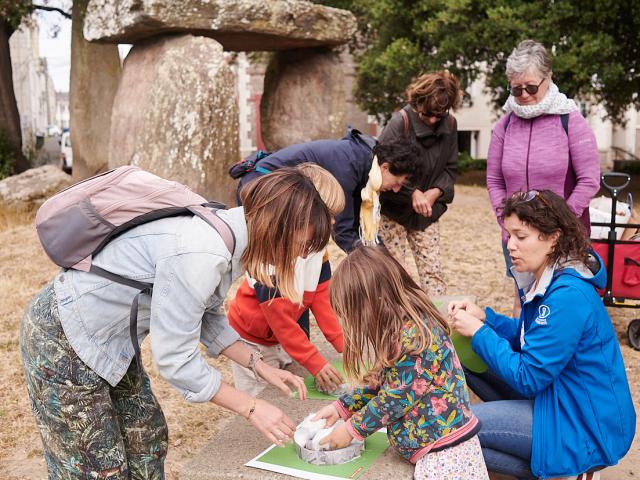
543,142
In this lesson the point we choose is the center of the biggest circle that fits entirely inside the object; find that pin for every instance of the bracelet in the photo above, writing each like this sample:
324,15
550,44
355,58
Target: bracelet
253,360
251,410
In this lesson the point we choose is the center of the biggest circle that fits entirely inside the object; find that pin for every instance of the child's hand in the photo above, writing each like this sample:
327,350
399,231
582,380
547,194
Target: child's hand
467,305
329,413
466,324
279,379
338,438
328,378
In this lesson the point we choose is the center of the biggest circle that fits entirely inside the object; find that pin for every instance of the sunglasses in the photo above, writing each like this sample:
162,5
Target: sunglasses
530,89
426,115
530,195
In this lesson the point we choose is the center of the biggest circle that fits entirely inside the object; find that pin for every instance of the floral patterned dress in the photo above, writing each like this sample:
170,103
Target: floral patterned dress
424,403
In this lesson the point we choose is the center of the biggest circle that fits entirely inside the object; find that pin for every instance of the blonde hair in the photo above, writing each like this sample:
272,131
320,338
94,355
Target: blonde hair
328,187
374,296
434,92
280,208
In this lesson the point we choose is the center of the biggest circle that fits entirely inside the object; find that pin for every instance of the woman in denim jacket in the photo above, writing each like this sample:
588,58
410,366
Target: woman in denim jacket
95,409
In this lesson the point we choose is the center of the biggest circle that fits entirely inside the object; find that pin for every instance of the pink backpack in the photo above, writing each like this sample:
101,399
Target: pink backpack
78,222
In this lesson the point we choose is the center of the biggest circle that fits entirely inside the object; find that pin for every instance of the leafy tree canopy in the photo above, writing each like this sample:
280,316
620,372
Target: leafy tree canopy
595,44
13,11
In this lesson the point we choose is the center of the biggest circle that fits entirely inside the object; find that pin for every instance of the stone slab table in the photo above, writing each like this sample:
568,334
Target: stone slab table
240,25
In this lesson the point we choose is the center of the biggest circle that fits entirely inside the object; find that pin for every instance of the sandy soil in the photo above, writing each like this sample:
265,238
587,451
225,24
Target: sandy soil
472,262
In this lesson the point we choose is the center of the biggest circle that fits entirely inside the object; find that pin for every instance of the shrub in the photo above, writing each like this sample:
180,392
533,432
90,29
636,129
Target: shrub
7,155
467,163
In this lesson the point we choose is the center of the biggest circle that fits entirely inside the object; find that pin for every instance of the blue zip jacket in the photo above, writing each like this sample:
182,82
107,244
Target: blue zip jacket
563,352
349,161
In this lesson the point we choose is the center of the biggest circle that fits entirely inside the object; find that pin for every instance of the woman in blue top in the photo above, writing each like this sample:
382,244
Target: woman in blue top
557,400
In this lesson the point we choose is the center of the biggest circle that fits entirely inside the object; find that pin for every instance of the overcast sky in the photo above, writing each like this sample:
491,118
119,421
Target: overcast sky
57,48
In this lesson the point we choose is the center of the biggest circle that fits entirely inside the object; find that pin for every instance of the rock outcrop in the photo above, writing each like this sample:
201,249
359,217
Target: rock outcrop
32,187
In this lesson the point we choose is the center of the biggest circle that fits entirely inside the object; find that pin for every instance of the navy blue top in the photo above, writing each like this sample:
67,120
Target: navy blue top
349,161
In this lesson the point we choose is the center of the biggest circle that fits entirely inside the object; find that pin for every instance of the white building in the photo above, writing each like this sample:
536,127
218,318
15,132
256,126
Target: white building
62,110
33,86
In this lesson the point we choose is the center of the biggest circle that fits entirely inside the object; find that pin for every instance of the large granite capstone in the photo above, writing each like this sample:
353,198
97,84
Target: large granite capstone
243,25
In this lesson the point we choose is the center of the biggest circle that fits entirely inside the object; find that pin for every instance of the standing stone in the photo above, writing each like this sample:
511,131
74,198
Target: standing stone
95,70
303,98
175,114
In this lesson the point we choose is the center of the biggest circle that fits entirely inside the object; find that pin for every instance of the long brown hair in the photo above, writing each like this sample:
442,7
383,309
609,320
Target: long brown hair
280,208
434,92
374,296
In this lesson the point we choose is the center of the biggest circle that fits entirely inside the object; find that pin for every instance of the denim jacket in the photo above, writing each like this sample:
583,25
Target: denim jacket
191,269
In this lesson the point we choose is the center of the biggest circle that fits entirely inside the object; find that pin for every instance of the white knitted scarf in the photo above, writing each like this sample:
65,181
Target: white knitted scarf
553,103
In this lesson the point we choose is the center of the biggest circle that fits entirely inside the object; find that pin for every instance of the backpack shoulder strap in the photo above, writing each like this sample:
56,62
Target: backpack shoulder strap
363,138
405,121
145,289
206,213
506,123
564,118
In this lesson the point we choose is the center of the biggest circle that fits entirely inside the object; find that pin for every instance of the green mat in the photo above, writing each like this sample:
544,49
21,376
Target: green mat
285,460
467,356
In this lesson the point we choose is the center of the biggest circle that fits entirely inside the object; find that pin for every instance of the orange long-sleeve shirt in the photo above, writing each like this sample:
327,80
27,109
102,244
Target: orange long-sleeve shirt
261,315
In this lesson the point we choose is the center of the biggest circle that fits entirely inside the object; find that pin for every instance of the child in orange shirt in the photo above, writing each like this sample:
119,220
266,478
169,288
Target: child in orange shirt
279,328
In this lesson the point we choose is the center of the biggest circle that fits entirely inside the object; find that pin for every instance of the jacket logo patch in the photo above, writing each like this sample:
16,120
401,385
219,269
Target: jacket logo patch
543,314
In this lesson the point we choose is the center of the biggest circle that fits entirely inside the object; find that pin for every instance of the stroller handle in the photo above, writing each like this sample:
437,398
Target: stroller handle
622,179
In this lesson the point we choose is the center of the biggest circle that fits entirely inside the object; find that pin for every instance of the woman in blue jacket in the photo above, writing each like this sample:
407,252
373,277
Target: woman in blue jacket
557,400
349,160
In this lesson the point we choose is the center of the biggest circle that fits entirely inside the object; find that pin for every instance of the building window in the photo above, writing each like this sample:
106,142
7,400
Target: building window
468,142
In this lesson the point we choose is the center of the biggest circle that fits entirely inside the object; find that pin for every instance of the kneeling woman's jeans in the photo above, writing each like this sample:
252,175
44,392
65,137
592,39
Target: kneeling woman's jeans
507,420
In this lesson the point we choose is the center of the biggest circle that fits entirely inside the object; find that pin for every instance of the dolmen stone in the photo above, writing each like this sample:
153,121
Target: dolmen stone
175,114
304,97
242,25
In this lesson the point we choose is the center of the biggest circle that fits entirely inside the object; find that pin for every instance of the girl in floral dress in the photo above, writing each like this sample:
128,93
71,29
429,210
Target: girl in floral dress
398,345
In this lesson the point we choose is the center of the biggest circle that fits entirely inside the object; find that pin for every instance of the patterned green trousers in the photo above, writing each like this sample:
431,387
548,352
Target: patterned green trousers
89,429
425,247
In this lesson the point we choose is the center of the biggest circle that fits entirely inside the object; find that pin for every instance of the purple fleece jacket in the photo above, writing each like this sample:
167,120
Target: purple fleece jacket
533,154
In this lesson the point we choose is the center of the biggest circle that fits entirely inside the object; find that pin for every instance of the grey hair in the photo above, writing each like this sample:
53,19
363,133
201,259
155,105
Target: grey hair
528,54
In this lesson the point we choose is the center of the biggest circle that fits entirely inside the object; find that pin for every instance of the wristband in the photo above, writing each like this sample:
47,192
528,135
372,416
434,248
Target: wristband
255,357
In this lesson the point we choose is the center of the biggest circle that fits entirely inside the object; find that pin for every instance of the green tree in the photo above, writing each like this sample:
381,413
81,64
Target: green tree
595,43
